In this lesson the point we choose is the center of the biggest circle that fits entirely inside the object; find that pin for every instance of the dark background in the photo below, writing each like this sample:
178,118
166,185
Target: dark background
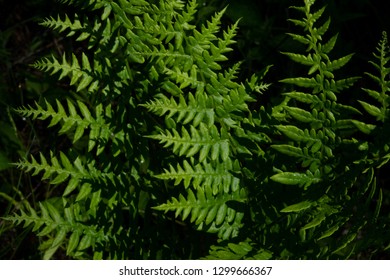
260,39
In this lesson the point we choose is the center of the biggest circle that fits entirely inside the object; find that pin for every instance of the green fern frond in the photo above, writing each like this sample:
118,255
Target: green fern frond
206,208
208,31
99,131
187,79
79,75
293,180
81,122
204,106
61,169
223,44
218,178
199,108
62,25
203,52
317,126
232,251
206,141
230,228
317,133
382,80
52,224
244,250
45,224
379,149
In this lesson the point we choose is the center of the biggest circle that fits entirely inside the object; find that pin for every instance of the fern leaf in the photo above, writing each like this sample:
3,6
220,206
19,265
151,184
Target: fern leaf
229,229
302,82
49,221
300,58
301,115
299,38
337,64
205,141
79,75
294,178
373,110
323,28
289,150
297,207
218,178
381,79
246,250
197,110
99,133
205,208
62,25
223,44
208,32
339,85
304,98
363,127
328,46
61,170
297,134
232,251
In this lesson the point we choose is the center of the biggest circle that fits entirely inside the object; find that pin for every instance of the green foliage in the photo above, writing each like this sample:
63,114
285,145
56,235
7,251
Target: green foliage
329,164
164,139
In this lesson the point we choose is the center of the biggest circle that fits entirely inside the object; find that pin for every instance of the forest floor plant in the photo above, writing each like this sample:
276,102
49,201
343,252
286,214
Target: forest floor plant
168,149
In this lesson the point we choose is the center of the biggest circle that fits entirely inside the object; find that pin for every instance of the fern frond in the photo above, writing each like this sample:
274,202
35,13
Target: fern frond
230,228
317,130
380,109
61,25
59,170
199,108
151,74
223,45
204,106
50,223
337,64
382,80
206,208
209,30
61,115
295,178
205,53
99,131
244,250
232,251
317,126
187,79
205,175
79,75
206,141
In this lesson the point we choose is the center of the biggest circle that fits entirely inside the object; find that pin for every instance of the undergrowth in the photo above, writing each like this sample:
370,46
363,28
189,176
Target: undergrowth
168,154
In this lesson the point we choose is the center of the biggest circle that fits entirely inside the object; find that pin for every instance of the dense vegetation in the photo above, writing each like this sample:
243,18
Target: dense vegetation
184,130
